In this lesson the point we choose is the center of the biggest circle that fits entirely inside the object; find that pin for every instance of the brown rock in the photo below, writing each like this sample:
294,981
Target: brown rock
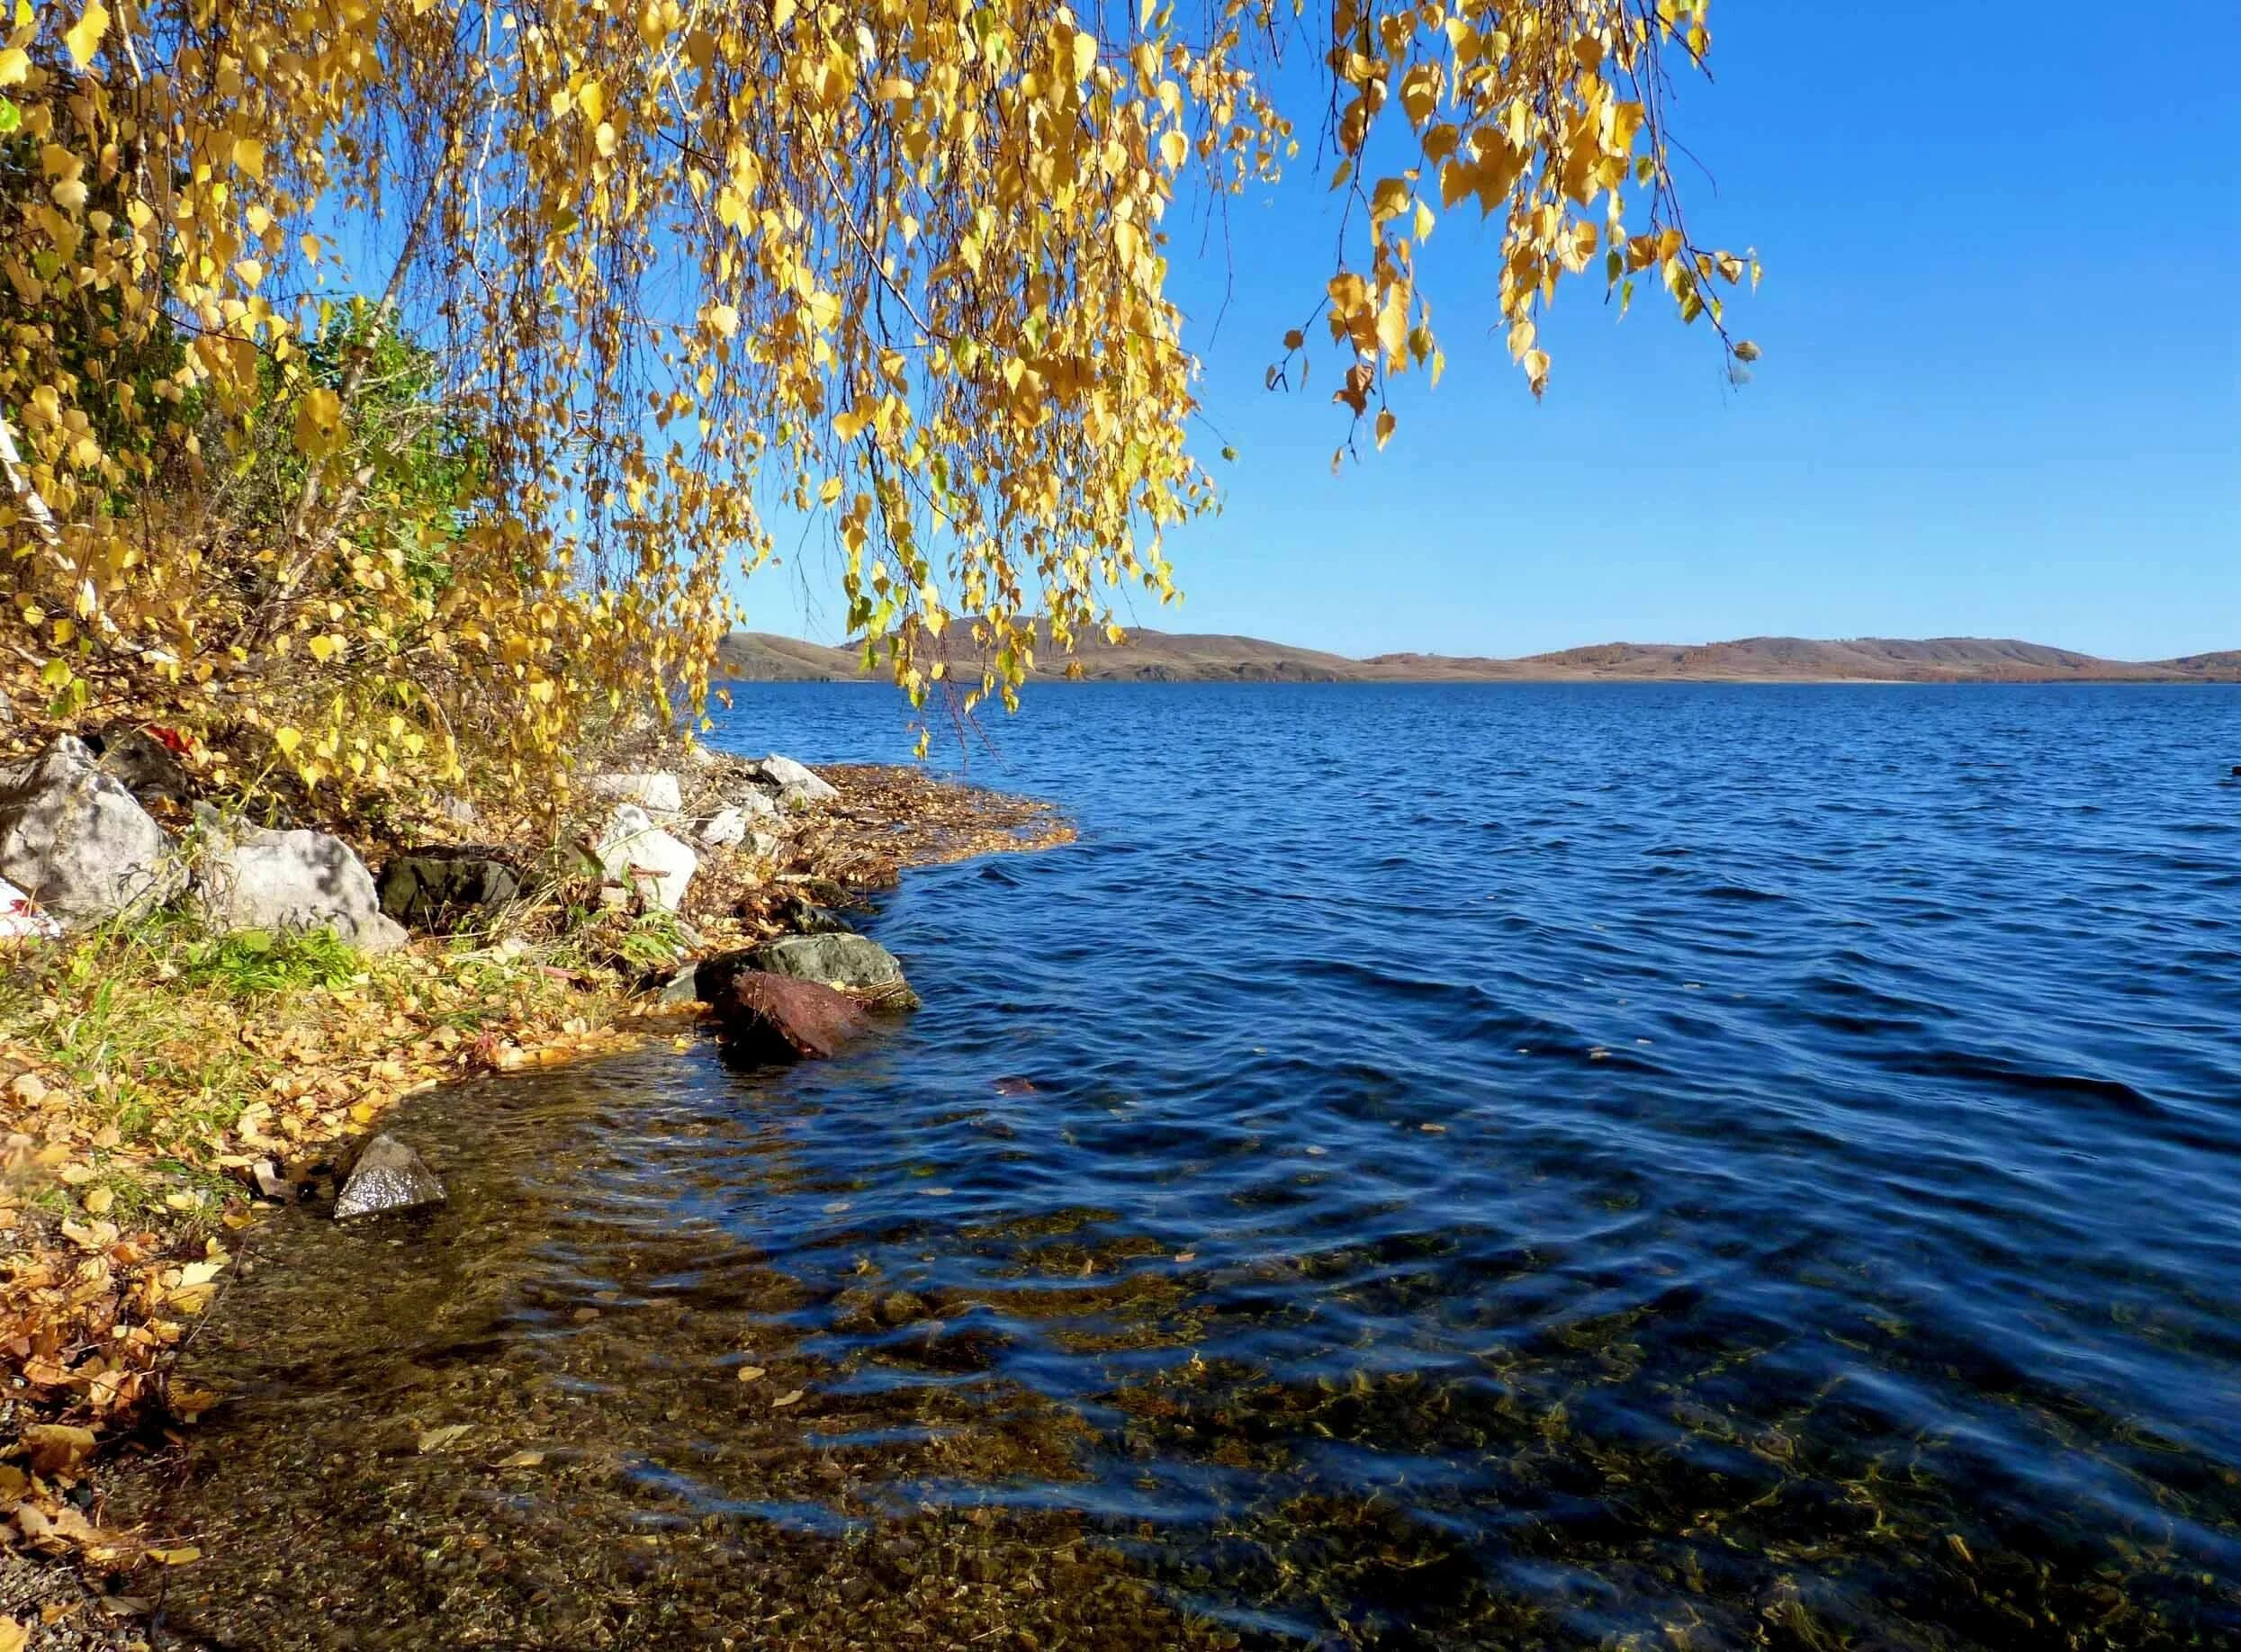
771,1018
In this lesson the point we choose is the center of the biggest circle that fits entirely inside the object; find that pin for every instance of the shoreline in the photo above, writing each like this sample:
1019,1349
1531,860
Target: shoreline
121,1231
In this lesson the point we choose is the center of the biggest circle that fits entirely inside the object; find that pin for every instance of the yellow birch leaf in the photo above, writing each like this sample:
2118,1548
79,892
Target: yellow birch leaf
83,38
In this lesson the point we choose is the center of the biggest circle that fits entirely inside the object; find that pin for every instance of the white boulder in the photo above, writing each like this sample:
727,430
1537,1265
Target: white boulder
256,879
725,826
657,793
21,918
76,842
636,853
795,785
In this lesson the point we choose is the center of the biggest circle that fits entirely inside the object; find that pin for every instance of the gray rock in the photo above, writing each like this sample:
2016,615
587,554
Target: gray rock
637,854
838,958
388,1176
148,766
656,793
76,842
793,786
762,808
21,918
458,810
256,879
900,1308
446,889
681,989
725,827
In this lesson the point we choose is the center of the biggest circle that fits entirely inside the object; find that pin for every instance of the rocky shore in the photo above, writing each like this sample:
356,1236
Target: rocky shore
205,1016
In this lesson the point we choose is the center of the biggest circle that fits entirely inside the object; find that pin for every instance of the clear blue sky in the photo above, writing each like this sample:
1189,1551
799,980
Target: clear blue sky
2000,394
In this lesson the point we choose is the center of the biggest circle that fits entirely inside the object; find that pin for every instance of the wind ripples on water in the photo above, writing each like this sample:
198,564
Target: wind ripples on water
1429,1168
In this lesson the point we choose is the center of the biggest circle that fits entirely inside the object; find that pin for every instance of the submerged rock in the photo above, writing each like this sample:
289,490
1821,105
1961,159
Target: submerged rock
77,841
839,958
388,1176
441,888
774,1018
634,852
257,879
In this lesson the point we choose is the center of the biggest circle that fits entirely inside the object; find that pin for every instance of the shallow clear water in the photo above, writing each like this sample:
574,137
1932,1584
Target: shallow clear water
1430,1167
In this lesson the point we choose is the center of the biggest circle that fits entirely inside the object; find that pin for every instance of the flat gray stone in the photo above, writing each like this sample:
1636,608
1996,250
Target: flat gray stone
256,879
726,826
656,791
794,785
388,1176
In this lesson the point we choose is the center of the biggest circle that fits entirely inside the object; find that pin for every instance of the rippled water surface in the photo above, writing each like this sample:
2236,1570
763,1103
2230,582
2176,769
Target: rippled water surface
1430,1168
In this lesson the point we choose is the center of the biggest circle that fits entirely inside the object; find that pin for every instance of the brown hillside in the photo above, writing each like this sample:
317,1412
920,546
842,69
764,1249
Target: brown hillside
1156,656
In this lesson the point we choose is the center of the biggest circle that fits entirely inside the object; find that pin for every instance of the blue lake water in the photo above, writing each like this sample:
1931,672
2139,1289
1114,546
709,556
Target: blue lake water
1430,1167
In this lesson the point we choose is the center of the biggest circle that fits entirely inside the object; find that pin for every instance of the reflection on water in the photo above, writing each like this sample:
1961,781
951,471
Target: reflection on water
1791,1201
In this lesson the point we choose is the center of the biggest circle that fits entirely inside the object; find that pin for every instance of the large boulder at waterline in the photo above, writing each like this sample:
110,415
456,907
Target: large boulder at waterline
634,852
447,888
388,1176
256,879
841,959
774,1018
77,841
794,785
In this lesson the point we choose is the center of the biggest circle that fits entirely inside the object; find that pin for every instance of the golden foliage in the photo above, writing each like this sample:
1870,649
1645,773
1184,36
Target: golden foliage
899,265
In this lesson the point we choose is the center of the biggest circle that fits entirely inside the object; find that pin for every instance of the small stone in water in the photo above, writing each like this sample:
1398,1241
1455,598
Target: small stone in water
389,1176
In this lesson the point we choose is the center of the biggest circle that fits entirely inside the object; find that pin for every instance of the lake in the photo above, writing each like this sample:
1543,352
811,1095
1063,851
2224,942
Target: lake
1431,1167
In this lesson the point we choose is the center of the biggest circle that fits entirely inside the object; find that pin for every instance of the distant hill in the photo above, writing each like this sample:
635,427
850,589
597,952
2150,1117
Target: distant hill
1159,656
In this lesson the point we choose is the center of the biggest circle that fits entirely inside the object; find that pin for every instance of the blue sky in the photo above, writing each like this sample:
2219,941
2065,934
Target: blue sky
2000,394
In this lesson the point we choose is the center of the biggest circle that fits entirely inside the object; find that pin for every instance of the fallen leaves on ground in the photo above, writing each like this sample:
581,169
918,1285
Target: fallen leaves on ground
152,1104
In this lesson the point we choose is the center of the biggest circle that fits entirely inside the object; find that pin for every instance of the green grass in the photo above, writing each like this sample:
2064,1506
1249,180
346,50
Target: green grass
255,963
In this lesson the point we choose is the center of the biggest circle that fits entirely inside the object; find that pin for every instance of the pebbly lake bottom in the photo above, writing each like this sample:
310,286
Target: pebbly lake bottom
575,1408
1783,1192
